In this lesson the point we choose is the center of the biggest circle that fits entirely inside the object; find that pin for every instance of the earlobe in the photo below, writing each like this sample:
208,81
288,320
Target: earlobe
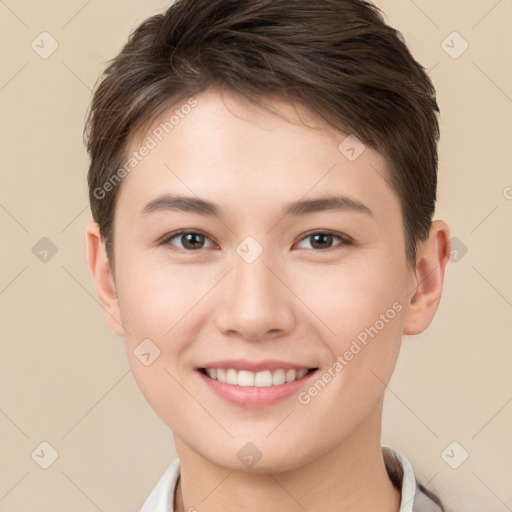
103,279
432,257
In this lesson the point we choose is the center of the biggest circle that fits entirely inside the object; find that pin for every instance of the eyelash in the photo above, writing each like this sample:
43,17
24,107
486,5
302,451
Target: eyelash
346,241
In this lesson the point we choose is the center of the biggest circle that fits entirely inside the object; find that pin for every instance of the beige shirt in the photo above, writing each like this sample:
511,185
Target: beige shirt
400,472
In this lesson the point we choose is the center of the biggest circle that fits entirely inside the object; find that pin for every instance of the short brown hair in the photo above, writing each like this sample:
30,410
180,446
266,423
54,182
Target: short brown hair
337,57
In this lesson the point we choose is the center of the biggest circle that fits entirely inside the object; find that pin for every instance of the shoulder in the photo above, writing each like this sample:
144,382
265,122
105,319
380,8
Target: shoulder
415,496
161,497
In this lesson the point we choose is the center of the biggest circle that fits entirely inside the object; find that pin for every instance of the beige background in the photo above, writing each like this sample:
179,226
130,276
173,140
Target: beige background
64,377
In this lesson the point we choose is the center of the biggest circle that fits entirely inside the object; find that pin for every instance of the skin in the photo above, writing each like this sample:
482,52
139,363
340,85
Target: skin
298,301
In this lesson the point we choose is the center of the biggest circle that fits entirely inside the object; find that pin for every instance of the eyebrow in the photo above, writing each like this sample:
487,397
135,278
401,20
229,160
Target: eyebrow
169,202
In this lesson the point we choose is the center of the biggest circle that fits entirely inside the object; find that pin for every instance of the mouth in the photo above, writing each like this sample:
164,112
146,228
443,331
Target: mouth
252,383
261,379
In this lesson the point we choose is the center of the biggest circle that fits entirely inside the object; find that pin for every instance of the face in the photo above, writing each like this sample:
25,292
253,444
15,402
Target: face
250,282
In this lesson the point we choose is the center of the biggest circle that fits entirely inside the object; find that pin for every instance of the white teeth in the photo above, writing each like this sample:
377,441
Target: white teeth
213,373
278,378
262,379
231,376
301,373
245,378
291,375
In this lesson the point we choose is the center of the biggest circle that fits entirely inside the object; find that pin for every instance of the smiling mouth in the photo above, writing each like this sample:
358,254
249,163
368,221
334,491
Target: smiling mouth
265,378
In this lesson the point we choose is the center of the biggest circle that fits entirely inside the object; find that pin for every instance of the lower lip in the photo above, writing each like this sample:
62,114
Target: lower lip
252,396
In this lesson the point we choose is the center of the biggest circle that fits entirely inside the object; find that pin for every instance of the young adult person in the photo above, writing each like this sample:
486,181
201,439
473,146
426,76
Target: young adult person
263,183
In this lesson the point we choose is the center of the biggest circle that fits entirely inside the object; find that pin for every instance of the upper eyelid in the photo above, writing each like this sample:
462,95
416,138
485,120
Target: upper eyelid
169,236
345,239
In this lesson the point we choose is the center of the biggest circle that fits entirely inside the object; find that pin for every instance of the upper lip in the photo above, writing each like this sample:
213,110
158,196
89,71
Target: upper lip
254,366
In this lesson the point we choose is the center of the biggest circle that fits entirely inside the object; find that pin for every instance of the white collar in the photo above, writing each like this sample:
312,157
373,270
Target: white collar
413,500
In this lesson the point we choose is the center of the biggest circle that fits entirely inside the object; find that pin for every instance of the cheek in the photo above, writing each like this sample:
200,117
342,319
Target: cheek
360,308
152,302
153,298
348,298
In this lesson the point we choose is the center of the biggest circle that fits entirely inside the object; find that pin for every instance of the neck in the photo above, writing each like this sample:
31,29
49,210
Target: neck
349,477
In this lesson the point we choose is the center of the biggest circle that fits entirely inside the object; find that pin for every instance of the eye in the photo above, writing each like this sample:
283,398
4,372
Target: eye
191,240
194,240
322,240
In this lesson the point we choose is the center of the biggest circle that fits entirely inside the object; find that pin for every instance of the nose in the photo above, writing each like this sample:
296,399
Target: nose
256,303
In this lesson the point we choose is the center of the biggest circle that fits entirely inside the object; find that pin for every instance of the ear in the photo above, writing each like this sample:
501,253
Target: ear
103,278
432,256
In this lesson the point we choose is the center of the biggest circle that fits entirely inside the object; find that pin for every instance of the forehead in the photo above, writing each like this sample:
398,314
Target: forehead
222,147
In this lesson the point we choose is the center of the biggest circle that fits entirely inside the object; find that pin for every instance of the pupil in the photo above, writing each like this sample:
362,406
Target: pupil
191,242
323,236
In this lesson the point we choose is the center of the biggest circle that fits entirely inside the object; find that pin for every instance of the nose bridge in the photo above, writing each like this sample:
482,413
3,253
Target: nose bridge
257,301
253,279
